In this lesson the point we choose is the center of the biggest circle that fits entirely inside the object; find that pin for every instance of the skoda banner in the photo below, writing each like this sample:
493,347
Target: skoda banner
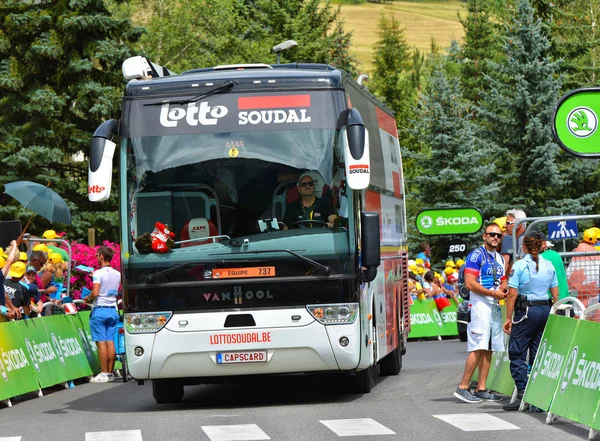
448,221
576,122
550,360
577,395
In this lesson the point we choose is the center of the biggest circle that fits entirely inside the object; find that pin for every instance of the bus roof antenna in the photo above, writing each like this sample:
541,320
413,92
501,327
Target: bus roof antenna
282,47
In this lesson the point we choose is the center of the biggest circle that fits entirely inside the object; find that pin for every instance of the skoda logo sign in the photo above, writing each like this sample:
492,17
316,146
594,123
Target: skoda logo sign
31,353
437,317
3,371
538,360
58,349
426,222
569,369
582,122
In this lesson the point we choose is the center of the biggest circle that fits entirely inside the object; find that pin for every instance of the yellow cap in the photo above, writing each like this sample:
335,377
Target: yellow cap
3,253
419,261
450,263
2,262
501,222
49,234
460,263
589,236
448,270
55,258
23,256
436,274
421,270
17,269
41,247
413,268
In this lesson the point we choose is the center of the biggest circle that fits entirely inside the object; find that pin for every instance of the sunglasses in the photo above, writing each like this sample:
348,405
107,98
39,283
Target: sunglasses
307,184
509,223
498,235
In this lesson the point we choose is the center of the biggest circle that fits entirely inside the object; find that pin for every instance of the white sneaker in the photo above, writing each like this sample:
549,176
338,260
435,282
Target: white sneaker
100,378
111,377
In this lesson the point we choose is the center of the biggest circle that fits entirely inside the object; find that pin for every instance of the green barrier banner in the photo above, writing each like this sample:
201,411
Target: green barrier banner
448,315
81,324
578,391
425,319
547,371
41,352
499,378
16,373
66,343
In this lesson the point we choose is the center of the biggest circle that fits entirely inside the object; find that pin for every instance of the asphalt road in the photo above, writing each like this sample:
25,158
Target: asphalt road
417,404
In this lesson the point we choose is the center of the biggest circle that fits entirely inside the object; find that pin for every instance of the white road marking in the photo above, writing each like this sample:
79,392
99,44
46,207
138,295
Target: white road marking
121,435
474,422
236,432
357,427
11,438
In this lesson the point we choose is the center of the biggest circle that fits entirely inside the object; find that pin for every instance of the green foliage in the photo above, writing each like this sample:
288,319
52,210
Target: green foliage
60,77
238,31
457,165
481,43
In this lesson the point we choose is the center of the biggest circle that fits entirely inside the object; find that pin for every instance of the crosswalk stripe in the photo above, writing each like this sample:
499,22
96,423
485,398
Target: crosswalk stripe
121,435
235,432
11,438
474,422
357,427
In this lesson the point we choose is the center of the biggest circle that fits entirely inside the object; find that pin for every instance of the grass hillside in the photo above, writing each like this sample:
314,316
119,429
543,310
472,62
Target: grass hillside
421,21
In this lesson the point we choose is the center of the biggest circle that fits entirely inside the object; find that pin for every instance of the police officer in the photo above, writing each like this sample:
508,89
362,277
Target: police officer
529,282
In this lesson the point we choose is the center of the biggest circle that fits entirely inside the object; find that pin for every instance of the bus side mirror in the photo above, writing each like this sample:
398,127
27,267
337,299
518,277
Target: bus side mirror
370,244
356,151
101,159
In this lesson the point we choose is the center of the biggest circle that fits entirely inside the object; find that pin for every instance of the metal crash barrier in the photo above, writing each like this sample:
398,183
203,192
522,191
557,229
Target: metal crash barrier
565,378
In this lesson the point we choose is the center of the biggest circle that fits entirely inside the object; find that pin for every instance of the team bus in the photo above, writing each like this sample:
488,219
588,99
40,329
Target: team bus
214,155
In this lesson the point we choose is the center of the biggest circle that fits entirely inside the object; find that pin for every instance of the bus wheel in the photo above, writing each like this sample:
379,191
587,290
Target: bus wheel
392,363
167,391
360,383
124,370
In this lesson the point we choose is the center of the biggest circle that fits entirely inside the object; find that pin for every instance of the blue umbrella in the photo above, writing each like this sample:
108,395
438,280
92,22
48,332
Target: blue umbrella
40,199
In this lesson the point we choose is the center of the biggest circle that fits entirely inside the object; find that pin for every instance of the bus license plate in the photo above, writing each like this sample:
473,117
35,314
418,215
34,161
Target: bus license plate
242,357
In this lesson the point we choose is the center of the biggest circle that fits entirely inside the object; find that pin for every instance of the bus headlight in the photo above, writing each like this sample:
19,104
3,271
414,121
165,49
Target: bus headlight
339,314
142,322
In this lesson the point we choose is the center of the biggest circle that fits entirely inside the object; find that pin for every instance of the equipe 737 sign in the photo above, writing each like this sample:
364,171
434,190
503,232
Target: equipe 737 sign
576,122
444,221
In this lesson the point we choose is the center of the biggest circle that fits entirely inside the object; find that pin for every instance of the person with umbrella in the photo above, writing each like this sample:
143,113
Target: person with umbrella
5,303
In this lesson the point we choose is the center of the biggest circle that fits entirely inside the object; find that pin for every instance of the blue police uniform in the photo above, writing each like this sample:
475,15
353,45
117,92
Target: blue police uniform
528,326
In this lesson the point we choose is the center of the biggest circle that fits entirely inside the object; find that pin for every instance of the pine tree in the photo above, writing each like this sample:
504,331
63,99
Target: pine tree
574,32
60,77
480,43
456,164
518,109
397,76
340,50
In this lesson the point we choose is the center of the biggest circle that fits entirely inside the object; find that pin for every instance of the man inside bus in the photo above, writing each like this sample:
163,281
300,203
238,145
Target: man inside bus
310,207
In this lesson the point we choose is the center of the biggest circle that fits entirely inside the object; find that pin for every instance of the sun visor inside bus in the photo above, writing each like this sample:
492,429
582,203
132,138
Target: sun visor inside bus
356,151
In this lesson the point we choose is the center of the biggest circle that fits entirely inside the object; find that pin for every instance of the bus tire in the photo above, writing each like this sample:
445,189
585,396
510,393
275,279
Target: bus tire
124,370
167,391
392,363
360,383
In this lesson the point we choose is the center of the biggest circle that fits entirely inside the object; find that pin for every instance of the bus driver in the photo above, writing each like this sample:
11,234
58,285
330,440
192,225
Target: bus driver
310,207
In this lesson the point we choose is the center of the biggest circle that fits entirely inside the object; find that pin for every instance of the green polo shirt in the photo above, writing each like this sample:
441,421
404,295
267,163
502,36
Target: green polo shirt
559,267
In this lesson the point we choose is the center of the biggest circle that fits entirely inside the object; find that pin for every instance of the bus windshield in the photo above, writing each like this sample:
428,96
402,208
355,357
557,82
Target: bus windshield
233,201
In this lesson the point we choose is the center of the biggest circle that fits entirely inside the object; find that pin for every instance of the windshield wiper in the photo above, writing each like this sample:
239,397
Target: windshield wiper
225,86
313,263
153,277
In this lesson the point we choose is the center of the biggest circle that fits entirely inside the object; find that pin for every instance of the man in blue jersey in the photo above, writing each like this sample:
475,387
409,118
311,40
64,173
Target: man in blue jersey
485,279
